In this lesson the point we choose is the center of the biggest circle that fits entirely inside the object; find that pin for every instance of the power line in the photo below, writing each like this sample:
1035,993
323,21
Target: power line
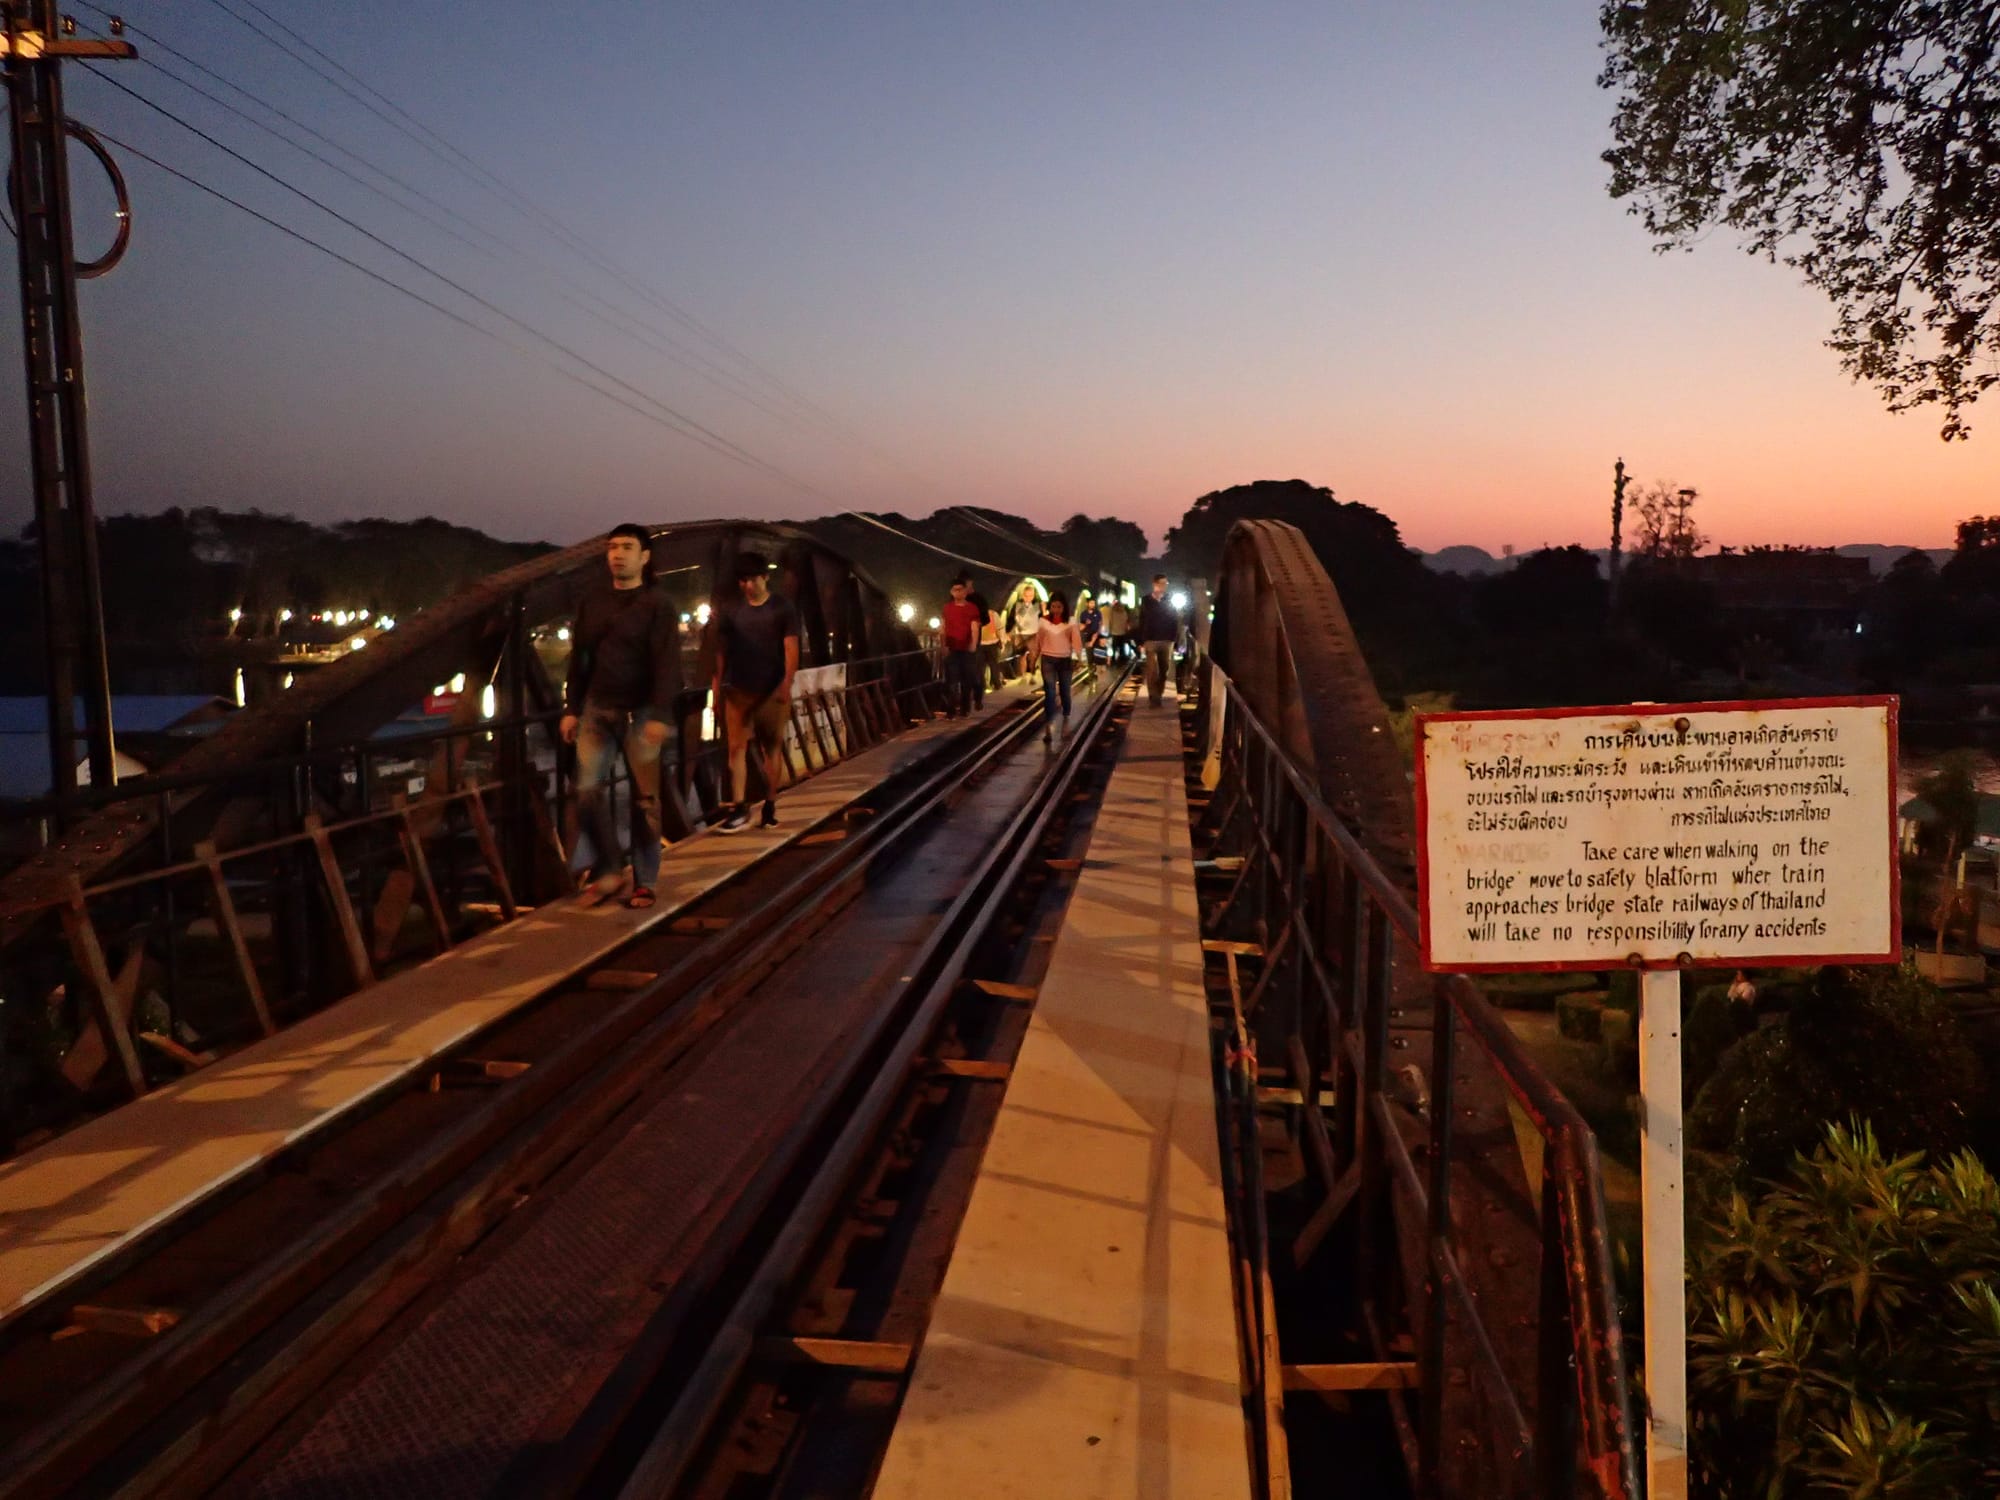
153,41
1019,540
437,145
693,429
623,322
862,515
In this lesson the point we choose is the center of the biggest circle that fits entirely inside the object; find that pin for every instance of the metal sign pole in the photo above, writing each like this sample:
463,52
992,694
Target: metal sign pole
1664,1232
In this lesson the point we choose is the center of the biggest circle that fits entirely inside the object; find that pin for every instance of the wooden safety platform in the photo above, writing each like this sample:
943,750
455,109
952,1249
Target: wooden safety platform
1084,1342
67,1205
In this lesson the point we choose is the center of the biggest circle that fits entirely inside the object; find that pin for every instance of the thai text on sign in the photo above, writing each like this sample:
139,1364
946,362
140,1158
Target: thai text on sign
1698,833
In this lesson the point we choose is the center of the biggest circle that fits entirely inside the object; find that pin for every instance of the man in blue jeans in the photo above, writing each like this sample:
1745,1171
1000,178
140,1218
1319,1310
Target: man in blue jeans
624,672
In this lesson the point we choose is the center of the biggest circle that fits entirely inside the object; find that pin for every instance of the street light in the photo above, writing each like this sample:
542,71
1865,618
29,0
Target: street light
906,612
701,614
1179,601
934,622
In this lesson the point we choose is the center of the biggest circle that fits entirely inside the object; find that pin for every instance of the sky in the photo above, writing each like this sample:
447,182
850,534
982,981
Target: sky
1043,257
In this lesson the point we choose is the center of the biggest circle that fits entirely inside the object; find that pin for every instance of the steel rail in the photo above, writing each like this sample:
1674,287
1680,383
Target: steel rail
639,1034
904,1032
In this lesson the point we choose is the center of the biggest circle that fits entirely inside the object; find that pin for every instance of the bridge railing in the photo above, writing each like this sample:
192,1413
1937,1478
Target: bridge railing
271,889
1340,969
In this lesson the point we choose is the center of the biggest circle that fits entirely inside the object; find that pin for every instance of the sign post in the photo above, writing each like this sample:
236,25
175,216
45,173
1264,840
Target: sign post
1659,838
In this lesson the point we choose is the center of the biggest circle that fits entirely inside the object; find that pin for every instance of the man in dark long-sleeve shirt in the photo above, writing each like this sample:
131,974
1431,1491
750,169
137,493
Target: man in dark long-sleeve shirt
1159,629
624,672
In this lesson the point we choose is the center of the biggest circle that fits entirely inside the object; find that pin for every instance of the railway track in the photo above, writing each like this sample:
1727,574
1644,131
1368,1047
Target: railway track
551,1267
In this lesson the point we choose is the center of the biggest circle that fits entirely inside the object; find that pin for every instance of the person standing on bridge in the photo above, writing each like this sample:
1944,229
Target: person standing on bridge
756,658
959,621
1159,629
1057,645
1117,622
1027,620
989,648
624,672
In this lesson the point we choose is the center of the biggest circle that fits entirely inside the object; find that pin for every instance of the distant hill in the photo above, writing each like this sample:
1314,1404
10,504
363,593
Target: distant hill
1477,562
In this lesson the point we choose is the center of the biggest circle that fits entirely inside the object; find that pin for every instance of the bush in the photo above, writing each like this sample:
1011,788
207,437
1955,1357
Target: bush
1845,1328
1577,1016
1877,1043
1711,1026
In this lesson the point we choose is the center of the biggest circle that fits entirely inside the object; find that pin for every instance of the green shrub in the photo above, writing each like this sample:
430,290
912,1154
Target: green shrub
1618,1033
1877,1043
1577,1016
1844,1330
1709,1028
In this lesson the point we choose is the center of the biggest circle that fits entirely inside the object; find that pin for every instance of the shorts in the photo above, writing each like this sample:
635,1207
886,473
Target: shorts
766,714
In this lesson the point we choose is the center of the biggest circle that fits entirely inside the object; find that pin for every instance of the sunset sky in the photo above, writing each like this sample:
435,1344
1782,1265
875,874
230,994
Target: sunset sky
1045,257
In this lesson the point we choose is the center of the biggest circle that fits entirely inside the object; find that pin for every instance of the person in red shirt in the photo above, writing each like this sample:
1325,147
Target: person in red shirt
959,621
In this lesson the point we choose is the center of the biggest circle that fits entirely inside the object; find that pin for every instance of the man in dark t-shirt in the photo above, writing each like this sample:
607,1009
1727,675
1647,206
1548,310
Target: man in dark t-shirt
756,657
624,670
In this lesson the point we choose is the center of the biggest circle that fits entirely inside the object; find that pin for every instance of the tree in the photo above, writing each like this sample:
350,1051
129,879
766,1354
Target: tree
1854,140
1114,548
1666,521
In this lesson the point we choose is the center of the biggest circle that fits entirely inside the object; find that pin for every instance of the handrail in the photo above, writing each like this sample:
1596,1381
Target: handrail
1580,1372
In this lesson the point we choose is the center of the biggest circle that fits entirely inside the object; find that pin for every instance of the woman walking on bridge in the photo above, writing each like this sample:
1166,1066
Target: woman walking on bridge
1056,645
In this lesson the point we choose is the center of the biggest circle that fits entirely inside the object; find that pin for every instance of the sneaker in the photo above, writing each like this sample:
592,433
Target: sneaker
770,817
736,822
1047,736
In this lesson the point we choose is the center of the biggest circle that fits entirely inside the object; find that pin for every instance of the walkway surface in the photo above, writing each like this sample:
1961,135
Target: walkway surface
70,1203
1084,1342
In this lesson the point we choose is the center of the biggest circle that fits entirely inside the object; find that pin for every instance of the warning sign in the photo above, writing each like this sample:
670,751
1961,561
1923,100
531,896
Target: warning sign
1697,833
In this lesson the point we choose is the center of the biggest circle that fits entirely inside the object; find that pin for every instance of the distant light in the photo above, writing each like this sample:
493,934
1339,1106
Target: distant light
906,612
357,643
562,634
686,618
488,701
361,614
458,682
284,615
239,687
340,617
934,622
1857,627
235,615
1179,600
288,679
702,612
385,622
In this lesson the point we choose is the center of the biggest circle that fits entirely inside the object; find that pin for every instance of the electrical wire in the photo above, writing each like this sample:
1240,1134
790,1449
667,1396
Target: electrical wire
693,429
991,567
396,117
1020,541
392,284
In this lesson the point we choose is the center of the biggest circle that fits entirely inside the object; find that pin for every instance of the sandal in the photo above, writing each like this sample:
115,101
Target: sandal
641,899
603,888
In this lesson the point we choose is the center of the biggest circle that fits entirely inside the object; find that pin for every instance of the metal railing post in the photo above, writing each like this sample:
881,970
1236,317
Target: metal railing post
1437,1238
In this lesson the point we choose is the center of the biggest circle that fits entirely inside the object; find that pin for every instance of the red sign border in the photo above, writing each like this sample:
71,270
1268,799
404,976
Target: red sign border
1421,722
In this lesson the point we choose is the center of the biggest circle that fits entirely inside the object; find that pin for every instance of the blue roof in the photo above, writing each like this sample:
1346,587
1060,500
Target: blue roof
133,713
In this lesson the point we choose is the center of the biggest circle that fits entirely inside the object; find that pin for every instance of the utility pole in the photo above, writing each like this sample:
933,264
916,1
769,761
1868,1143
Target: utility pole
36,42
1617,522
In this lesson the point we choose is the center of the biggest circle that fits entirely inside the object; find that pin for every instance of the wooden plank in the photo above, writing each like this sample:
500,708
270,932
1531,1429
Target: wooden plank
698,924
420,867
859,1356
619,979
101,989
358,966
489,847
1386,1375
823,837
232,927
399,890
168,1047
1000,990
133,1322
1241,950
967,1067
